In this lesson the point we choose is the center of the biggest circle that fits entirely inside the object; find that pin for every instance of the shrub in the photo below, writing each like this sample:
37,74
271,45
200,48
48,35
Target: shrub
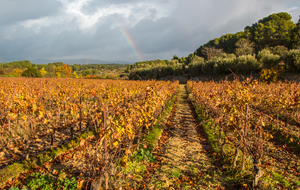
31,72
279,50
208,66
194,69
267,58
219,65
227,63
2,72
247,64
292,60
273,74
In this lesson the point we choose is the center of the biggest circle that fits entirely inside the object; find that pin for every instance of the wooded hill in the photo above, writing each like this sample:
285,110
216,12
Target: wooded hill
270,46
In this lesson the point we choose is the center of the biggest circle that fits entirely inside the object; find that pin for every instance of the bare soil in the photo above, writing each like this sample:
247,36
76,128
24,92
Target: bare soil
183,153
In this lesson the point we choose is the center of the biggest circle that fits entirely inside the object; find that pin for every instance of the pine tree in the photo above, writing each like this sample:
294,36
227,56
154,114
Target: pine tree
295,36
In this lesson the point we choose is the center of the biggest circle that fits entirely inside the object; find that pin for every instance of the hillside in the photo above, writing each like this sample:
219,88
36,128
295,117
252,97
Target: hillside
270,47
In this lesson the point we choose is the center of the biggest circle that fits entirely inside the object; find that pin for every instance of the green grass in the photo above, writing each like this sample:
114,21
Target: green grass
151,139
176,173
277,178
12,171
48,182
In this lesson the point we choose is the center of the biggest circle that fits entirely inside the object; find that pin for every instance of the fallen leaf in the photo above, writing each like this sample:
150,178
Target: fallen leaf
80,183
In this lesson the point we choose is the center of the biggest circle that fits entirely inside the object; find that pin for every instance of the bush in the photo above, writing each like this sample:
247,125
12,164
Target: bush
279,50
164,71
247,64
292,60
219,65
267,58
208,67
194,68
273,74
2,72
31,72
227,63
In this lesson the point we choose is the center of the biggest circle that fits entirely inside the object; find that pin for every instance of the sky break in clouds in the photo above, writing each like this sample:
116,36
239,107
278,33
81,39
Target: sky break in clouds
126,30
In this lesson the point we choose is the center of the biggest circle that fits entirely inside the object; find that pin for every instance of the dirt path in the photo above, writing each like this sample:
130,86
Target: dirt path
182,152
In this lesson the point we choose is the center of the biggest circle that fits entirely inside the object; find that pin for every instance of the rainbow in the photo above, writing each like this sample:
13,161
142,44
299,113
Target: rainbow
128,38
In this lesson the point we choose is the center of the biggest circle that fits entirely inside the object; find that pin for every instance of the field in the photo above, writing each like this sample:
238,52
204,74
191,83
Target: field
80,133
37,115
253,127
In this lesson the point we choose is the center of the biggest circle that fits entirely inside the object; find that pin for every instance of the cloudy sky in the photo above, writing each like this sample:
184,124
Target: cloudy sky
128,30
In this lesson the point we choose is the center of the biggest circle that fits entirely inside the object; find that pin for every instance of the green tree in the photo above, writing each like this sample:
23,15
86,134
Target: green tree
182,60
2,72
76,67
128,68
94,71
292,60
272,31
175,57
86,72
295,37
31,72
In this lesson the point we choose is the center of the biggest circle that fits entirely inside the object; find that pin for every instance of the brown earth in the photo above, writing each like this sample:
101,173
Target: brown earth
183,155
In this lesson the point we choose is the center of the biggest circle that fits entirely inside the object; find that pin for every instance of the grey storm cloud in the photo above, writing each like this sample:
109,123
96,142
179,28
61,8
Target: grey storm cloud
15,11
127,30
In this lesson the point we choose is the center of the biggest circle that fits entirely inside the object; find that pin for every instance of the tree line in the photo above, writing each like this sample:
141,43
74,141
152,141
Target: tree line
270,45
57,69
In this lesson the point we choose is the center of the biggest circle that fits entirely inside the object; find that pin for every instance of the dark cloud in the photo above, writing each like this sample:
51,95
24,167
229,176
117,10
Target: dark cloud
93,29
12,11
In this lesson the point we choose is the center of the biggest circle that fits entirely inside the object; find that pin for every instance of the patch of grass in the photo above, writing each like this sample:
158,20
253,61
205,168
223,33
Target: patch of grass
53,153
176,173
12,171
193,170
130,175
48,182
159,185
143,154
134,167
151,139
280,178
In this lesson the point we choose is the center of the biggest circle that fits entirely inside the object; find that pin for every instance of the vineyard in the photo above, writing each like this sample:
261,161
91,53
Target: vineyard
245,134
41,114
254,127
